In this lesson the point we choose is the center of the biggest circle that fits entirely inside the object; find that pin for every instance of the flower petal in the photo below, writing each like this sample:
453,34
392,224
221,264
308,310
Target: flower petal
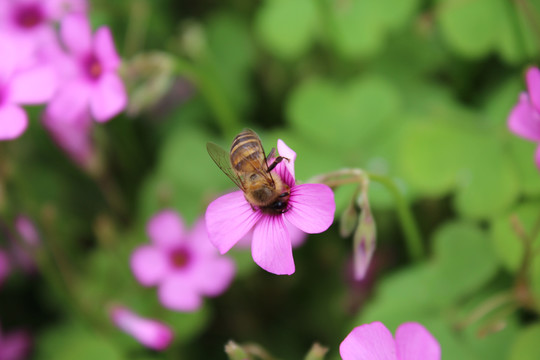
70,103
13,122
166,228
76,34
284,173
5,268
228,219
311,207
74,137
532,78
33,86
298,237
214,275
149,265
150,333
271,246
60,8
105,50
199,241
15,345
108,98
177,293
524,119
413,342
537,158
289,154
369,342
10,57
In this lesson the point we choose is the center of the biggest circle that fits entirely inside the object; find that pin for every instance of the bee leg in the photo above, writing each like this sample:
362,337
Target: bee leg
271,155
277,161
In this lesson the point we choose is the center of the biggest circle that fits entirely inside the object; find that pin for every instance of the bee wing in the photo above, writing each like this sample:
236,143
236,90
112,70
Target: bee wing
222,160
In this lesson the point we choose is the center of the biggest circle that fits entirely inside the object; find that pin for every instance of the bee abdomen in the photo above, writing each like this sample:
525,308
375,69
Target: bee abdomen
246,150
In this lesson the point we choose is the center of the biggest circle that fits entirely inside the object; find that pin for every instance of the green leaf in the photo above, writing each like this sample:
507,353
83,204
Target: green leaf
481,194
470,26
522,153
517,32
320,110
440,156
430,157
232,57
286,27
73,341
460,247
507,245
525,346
360,27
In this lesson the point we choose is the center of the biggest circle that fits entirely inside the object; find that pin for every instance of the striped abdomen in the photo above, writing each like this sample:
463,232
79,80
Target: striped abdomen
247,153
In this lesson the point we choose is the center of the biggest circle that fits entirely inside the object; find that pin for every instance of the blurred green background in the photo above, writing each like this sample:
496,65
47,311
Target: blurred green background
418,91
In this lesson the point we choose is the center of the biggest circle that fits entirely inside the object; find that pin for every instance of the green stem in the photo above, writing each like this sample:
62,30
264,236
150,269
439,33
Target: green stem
413,239
226,117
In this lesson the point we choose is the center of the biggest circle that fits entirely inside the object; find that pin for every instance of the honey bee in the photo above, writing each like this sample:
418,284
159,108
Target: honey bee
247,166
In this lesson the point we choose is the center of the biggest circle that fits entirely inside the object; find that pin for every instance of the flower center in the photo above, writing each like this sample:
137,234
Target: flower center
93,67
29,16
180,258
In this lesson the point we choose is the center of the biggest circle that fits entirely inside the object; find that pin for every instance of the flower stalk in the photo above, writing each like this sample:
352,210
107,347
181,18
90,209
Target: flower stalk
413,239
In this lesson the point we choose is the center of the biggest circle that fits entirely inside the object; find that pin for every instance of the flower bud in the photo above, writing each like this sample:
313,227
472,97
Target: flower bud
150,333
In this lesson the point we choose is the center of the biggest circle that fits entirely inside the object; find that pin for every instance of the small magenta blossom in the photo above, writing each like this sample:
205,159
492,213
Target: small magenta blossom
90,84
524,119
74,138
15,345
5,266
184,265
21,83
30,22
29,241
151,333
310,208
375,342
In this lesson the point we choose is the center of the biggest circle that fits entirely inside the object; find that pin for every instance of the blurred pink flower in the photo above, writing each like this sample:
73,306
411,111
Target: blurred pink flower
73,137
310,208
27,230
90,83
28,241
14,346
5,267
524,119
374,342
28,22
150,333
20,85
184,266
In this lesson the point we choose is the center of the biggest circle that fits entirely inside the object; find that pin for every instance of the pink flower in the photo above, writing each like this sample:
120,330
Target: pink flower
90,83
184,266
73,137
310,208
30,22
150,333
27,231
23,251
14,346
374,342
524,119
20,85
5,267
